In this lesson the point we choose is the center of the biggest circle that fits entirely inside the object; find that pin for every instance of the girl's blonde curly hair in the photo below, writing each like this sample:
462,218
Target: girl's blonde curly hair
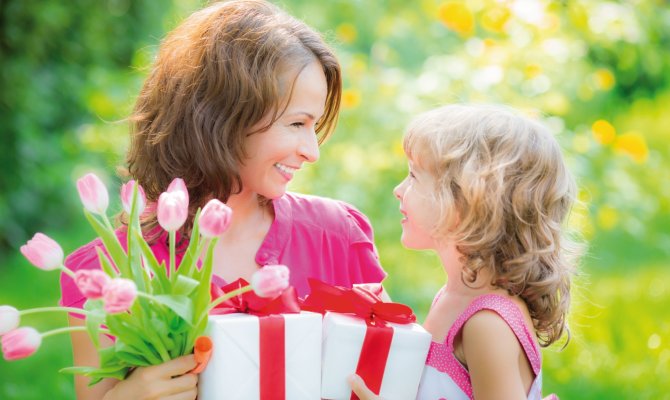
503,192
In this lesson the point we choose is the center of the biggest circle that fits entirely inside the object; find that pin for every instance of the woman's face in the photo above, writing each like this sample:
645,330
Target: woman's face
273,156
418,208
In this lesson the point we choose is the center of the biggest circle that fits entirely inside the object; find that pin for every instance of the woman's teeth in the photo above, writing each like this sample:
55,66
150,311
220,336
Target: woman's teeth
286,169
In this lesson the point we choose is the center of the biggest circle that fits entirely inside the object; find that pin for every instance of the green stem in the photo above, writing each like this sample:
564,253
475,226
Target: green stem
173,257
67,271
108,224
70,329
223,298
51,309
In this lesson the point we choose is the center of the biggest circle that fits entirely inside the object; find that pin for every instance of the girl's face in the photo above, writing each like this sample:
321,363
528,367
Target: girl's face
418,207
273,156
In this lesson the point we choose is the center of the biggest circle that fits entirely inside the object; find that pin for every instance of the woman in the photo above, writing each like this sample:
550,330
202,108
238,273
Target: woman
239,99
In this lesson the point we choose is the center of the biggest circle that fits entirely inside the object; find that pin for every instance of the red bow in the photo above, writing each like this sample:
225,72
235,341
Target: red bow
251,303
362,300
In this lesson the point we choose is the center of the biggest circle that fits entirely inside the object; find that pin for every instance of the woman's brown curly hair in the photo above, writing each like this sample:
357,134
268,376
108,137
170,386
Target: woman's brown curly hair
215,77
504,193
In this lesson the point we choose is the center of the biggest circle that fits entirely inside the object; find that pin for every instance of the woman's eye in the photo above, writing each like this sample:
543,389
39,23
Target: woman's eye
297,124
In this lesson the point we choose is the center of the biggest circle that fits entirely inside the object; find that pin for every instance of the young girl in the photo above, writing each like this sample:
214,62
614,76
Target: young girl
239,99
488,190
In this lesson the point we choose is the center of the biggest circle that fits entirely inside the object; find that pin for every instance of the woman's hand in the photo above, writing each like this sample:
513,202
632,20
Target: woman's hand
361,390
167,381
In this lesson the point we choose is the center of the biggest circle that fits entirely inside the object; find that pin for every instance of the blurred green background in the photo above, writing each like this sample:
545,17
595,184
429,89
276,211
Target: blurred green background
599,72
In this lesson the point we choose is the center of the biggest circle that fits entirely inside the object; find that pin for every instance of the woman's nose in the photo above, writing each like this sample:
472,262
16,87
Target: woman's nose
309,147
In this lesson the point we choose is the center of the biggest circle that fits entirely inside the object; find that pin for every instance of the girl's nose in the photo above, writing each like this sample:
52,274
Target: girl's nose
399,190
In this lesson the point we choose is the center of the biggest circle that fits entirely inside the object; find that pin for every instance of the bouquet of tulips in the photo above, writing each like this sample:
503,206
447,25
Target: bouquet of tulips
154,312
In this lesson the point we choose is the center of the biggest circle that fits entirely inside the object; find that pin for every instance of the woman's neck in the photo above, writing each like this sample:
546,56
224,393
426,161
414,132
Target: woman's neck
248,212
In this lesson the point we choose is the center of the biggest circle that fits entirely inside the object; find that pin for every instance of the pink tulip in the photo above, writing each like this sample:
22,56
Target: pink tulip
93,194
173,206
9,319
270,280
43,252
118,295
20,343
215,219
127,197
178,185
91,282
172,210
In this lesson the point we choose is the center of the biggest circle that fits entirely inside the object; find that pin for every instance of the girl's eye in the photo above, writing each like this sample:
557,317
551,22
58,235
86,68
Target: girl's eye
297,124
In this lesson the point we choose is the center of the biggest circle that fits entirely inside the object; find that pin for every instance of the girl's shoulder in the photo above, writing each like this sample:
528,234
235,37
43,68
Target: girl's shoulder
496,325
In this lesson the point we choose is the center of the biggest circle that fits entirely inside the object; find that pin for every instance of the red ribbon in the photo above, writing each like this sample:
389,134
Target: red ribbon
251,303
363,301
272,361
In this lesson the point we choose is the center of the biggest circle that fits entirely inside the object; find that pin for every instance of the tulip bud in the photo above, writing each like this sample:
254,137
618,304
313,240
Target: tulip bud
178,185
214,219
9,319
43,252
172,210
93,194
91,282
20,343
127,197
118,295
270,280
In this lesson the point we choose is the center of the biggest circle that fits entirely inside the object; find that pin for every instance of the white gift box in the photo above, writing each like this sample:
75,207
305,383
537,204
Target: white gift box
343,337
233,370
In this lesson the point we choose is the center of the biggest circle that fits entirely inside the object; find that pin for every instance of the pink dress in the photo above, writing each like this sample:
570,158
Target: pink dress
445,378
314,236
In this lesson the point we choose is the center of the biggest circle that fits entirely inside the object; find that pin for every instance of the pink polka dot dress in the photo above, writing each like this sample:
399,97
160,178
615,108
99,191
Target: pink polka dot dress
445,378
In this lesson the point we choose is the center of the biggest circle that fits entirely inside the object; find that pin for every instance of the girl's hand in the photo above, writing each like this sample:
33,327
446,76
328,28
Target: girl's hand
167,381
361,390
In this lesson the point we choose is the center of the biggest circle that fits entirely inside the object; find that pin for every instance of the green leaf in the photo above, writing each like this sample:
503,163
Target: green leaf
202,296
118,372
94,319
130,355
163,332
184,286
140,277
190,259
106,264
181,305
111,243
132,335
161,283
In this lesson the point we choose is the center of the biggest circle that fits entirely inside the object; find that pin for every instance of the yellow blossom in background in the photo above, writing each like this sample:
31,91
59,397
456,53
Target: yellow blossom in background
457,17
357,67
552,23
603,132
495,18
633,144
398,150
608,217
604,79
532,70
351,98
346,33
